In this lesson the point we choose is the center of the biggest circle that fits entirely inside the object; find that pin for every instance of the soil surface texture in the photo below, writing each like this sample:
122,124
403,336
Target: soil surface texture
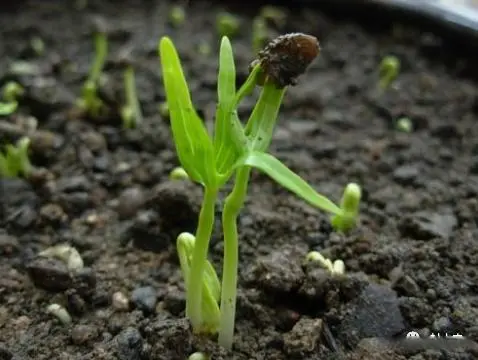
411,263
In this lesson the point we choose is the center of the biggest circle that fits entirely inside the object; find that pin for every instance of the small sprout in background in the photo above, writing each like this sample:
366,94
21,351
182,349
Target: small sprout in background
164,110
388,71
177,16
131,112
336,268
350,205
227,24
90,101
60,313
259,33
8,108
14,161
178,173
12,91
204,48
199,356
274,15
66,253
404,124
38,45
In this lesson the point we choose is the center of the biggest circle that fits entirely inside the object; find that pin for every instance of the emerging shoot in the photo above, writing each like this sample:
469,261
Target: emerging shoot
198,356
11,92
14,162
131,112
259,33
404,124
164,110
90,101
388,71
178,173
227,24
350,205
177,16
335,268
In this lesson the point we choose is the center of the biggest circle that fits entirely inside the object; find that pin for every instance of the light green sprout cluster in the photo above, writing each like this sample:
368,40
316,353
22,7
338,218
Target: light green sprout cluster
233,150
14,162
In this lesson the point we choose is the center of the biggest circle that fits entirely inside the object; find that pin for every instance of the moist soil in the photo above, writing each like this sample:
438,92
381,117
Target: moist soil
411,264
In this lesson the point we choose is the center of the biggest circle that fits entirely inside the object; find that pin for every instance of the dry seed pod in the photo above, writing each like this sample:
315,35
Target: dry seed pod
287,57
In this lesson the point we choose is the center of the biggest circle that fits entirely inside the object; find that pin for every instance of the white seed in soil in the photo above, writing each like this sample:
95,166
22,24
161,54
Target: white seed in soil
120,301
66,253
339,267
59,312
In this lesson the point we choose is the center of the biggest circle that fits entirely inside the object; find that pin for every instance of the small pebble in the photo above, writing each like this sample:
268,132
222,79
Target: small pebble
81,334
145,298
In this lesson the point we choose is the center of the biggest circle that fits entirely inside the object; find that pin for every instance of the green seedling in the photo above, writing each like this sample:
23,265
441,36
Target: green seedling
178,173
164,109
350,205
90,101
227,24
259,33
11,92
38,45
131,112
212,160
273,14
388,71
177,16
404,124
335,268
14,162
204,48
8,108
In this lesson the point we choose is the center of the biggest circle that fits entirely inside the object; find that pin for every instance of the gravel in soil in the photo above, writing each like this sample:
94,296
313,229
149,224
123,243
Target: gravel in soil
116,291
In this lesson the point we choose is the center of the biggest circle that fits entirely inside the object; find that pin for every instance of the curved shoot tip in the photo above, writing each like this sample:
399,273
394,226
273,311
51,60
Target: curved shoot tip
351,198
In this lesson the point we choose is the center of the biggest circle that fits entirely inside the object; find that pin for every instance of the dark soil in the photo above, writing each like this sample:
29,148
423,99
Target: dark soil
411,264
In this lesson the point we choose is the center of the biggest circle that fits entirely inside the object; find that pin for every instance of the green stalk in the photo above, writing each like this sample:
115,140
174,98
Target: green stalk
232,206
198,262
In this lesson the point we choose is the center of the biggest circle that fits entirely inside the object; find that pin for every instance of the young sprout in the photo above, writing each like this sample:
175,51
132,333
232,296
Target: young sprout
37,45
336,268
90,101
177,16
404,124
131,112
8,108
178,173
164,109
234,149
12,91
349,204
204,48
211,288
273,14
227,24
388,71
199,356
14,161
259,33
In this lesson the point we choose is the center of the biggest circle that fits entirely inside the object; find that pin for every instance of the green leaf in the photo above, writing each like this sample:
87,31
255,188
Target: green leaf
261,124
8,108
288,179
193,144
229,138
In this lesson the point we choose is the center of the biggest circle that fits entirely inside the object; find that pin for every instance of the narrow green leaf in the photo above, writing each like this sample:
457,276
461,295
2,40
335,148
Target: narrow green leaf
288,179
193,144
260,126
229,138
